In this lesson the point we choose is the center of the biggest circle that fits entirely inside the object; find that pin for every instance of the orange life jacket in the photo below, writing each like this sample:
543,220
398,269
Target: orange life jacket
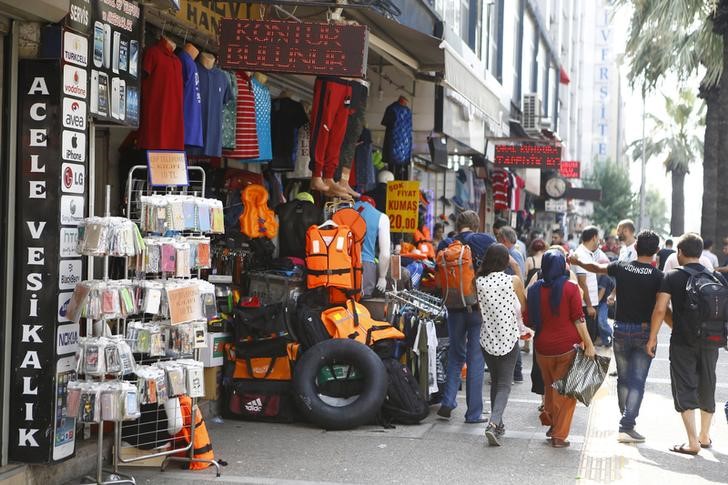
353,220
257,219
423,241
355,322
330,264
202,445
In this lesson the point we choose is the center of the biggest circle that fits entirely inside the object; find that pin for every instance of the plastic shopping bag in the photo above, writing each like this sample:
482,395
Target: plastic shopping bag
584,378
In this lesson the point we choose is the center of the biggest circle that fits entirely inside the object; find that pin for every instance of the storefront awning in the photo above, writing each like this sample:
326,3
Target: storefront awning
400,44
459,77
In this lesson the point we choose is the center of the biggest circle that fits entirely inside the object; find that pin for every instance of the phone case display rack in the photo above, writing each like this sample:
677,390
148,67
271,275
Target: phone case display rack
138,187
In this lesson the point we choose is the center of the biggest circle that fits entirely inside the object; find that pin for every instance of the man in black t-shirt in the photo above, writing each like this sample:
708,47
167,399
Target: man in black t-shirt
692,365
663,254
637,285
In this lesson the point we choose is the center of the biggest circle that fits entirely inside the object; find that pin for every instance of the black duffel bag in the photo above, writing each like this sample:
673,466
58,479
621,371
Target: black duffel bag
261,400
259,322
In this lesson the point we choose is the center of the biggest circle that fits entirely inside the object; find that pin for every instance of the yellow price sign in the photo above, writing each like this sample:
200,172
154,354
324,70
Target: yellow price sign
403,200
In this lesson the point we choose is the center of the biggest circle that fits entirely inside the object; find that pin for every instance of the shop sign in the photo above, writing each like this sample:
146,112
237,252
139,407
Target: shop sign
73,178
205,16
167,168
69,273
556,205
74,114
528,156
73,146
33,409
69,242
579,193
79,16
75,81
75,49
72,210
116,61
403,199
67,339
184,304
318,49
570,169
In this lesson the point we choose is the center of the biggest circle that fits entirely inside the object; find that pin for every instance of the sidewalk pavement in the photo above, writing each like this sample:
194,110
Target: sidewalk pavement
439,451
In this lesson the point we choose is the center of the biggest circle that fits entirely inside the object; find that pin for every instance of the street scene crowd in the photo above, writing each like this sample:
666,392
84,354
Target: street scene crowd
561,295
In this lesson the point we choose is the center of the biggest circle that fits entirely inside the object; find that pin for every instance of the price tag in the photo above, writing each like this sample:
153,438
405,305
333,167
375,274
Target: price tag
167,168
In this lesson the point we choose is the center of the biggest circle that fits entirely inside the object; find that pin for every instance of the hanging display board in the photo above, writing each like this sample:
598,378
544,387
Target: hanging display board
115,61
403,199
570,169
528,156
319,49
50,193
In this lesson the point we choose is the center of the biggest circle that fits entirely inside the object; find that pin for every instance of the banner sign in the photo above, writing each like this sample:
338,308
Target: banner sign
38,431
528,156
206,16
115,61
403,200
556,205
570,169
167,168
318,49
583,194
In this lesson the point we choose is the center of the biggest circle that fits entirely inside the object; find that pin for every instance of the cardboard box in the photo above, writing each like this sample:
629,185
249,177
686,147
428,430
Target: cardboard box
214,354
213,381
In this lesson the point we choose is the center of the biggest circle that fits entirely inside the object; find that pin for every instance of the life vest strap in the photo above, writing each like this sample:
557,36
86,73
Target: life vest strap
328,272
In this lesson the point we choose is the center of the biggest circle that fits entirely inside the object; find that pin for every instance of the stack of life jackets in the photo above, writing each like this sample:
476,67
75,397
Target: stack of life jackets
202,447
257,219
333,260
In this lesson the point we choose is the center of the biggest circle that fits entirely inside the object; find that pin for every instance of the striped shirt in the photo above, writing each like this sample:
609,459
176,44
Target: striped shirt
246,135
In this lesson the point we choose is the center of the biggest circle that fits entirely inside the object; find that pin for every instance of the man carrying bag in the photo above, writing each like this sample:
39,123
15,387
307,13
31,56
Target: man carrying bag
699,313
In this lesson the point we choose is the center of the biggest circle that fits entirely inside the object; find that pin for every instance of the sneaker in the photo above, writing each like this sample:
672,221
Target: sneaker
630,436
500,430
518,378
491,434
444,412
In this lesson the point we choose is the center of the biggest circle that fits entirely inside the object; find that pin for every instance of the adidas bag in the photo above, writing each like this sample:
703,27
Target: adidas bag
260,400
404,403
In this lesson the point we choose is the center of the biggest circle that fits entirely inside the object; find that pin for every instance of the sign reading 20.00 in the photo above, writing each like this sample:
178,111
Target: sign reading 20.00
403,198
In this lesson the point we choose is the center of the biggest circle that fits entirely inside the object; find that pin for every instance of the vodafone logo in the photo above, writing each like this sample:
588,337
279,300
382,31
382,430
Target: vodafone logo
75,81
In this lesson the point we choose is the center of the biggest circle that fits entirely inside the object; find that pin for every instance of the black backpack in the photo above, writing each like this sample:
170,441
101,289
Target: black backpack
404,403
308,325
707,307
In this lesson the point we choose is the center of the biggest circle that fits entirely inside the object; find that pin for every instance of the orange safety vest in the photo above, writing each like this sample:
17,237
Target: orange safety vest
257,219
202,445
423,241
329,264
355,322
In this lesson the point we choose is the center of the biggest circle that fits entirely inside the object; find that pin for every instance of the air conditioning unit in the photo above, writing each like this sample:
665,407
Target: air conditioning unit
531,113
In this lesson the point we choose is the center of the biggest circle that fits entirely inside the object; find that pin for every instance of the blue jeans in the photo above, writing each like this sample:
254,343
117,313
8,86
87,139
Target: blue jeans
464,332
605,331
633,365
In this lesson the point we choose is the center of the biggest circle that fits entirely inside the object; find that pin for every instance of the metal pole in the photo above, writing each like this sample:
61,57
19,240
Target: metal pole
644,162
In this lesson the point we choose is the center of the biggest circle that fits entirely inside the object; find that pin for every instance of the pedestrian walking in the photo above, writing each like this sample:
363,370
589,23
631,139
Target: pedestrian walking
695,340
663,254
500,297
638,283
533,267
589,252
555,312
606,286
507,236
625,234
463,324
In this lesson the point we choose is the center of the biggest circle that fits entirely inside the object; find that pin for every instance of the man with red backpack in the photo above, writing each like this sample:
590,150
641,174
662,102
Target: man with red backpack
463,316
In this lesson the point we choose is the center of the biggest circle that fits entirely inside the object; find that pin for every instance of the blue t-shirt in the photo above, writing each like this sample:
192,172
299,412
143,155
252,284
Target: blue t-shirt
215,92
371,216
398,137
516,254
191,101
262,121
606,282
479,243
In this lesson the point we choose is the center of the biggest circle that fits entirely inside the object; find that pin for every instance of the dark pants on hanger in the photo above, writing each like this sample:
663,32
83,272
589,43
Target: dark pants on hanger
354,127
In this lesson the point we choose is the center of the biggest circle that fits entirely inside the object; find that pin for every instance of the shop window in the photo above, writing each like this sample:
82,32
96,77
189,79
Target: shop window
494,38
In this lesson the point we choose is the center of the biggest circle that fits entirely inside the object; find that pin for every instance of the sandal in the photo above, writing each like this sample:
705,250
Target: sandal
707,446
682,450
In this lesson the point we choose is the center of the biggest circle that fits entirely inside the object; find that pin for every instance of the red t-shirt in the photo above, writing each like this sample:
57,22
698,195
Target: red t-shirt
558,333
161,126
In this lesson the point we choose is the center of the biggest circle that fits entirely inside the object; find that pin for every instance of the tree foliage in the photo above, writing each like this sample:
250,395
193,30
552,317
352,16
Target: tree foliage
656,212
618,200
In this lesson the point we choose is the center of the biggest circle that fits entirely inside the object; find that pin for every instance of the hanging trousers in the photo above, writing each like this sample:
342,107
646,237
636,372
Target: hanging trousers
329,117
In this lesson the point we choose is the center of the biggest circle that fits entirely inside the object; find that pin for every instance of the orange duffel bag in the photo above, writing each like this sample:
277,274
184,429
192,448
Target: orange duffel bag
355,322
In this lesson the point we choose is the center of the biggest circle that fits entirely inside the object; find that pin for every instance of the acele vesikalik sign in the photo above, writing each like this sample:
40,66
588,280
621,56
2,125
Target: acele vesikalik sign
319,49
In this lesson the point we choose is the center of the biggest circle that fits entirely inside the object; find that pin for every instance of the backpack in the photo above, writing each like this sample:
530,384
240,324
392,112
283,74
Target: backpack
309,327
404,403
456,275
707,307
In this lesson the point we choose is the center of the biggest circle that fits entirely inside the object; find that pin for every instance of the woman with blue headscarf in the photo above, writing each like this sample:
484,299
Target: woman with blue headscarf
554,311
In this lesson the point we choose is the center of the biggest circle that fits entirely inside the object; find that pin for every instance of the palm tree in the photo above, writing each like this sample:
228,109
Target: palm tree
673,138
678,37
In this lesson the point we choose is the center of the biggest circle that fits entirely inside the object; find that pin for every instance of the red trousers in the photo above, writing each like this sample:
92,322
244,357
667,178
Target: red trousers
329,117
558,410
